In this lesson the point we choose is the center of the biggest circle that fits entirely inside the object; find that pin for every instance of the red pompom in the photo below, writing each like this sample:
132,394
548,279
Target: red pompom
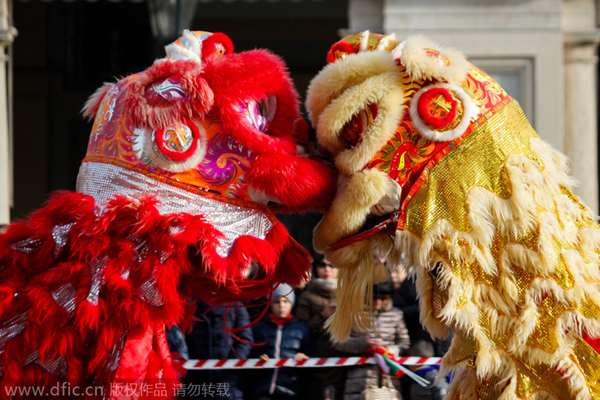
339,51
216,45
437,117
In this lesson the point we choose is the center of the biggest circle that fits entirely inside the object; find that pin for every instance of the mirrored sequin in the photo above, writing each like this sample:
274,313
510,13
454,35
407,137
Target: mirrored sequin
141,248
12,327
64,296
56,367
104,181
27,246
97,279
149,292
60,234
116,353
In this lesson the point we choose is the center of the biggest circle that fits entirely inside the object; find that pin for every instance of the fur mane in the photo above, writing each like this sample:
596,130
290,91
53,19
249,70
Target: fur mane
519,237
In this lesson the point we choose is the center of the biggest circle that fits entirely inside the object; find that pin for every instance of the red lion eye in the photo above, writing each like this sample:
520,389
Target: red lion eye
218,44
439,109
442,112
339,51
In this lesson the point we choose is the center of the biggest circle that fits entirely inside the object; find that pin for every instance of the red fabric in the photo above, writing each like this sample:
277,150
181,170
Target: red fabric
136,246
594,342
280,321
146,370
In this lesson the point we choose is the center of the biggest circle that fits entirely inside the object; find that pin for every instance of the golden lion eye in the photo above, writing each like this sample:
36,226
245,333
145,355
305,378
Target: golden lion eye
353,131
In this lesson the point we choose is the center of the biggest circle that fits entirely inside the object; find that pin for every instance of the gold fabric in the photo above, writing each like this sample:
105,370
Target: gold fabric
444,194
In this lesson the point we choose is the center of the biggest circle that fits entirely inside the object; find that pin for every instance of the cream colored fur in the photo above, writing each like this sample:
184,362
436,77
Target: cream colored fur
342,90
421,67
350,208
491,313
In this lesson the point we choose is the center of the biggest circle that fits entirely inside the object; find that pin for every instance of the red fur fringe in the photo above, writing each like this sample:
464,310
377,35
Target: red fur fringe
198,102
138,245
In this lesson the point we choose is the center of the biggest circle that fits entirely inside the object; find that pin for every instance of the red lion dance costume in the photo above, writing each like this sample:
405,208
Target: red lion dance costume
171,204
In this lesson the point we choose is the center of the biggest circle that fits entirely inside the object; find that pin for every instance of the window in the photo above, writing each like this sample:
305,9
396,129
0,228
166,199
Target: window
515,75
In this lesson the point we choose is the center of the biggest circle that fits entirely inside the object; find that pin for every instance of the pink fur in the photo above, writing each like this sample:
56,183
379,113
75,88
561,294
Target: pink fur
196,105
91,106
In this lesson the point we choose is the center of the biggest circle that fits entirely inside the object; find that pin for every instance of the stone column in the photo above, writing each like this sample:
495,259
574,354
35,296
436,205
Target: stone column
581,115
7,35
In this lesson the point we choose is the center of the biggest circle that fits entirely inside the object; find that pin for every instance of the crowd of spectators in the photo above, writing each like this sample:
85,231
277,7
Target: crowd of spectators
293,327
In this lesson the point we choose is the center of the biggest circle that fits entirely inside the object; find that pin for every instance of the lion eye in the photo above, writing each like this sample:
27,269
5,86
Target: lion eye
259,114
353,131
442,112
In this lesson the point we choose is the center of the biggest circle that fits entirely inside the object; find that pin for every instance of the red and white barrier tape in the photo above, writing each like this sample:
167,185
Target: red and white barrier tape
315,362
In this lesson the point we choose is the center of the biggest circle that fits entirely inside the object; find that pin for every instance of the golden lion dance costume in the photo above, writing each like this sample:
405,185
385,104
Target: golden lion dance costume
186,163
440,168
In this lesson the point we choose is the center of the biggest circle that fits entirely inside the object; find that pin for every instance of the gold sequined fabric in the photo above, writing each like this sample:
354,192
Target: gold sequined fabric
528,301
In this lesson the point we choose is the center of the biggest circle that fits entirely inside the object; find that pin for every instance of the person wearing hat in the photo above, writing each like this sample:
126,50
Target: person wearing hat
315,305
280,335
389,332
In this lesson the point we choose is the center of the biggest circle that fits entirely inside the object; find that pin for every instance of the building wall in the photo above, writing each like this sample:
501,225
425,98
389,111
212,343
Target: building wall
7,33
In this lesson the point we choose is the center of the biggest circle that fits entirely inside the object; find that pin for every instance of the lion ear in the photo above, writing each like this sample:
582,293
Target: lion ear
442,112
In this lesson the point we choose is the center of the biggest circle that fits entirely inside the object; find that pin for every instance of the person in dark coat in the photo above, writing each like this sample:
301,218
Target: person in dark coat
389,332
280,335
315,305
177,344
219,333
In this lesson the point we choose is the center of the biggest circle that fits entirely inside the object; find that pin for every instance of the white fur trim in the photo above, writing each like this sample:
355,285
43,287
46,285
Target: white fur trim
470,112
364,41
191,51
397,52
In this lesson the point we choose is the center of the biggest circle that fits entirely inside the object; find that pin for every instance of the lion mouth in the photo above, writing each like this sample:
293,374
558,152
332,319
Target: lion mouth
374,225
381,217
